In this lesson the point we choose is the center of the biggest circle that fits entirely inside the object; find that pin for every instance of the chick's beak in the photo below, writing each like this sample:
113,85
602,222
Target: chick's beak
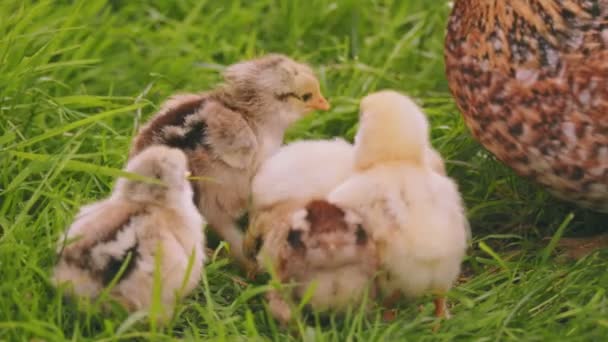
187,174
320,104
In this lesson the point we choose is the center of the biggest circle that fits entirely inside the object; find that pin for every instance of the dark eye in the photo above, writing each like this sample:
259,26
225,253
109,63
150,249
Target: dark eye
361,235
294,238
306,97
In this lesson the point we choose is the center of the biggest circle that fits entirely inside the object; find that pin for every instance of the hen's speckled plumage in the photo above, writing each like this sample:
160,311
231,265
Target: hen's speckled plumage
531,79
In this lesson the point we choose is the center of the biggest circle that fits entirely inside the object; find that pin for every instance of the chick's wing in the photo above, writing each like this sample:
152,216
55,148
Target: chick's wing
229,135
98,224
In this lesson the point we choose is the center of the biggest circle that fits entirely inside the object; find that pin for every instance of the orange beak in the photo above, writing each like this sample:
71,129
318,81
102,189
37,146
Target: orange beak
320,104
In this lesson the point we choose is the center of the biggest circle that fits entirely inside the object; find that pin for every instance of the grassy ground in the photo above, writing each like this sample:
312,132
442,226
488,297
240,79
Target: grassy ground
76,79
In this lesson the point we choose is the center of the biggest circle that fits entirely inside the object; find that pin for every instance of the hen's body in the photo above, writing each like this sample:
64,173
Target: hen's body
531,79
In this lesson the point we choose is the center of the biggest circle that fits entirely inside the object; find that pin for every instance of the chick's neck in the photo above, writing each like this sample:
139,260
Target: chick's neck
270,133
267,116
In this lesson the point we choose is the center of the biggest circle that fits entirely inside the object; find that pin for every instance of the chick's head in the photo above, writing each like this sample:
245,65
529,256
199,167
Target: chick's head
169,166
324,236
392,127
277,80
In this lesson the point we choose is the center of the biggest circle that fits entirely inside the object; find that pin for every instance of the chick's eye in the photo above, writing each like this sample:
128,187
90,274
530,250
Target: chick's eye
306,97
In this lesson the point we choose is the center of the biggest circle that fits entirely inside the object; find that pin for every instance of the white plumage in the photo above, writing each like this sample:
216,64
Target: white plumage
414,212
302,170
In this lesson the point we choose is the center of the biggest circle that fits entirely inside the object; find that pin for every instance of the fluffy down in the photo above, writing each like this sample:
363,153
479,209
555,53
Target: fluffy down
328,250
302,170
417,220
228,132
303,238
414,213
288,181
137,225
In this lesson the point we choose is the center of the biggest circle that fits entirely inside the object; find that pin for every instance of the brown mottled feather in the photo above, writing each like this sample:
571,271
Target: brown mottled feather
172,113
325,217
531,79
99,225
333,254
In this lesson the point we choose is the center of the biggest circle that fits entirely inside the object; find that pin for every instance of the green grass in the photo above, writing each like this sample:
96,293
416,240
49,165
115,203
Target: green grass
77,77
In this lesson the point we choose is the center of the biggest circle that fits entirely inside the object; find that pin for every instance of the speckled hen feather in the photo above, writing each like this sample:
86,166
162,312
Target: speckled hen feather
531,79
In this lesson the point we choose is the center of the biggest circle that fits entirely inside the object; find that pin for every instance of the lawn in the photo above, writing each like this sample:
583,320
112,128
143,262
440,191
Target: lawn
78,77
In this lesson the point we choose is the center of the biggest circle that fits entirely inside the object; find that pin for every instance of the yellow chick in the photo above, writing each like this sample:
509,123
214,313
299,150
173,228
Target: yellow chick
129,229
413,211
229,131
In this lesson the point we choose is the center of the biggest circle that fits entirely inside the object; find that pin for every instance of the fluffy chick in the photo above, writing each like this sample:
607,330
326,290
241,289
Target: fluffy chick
298,173
284,186
384,141
227,133
414,213
136,223
328,249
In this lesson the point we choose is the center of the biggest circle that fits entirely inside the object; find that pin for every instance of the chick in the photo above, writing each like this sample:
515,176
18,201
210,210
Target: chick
140,223
414,214
328,249
227,133
301,174
298,173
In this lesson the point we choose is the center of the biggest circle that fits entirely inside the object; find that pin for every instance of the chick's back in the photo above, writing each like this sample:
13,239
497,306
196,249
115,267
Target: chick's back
417,220
302,170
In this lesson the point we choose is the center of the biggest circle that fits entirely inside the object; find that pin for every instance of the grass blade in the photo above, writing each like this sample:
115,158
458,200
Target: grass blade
79,123
555,239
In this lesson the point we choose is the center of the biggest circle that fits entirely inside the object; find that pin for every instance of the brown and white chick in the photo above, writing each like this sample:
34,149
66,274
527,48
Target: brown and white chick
140,225
301,174
328,249
414,213
298,173
229,131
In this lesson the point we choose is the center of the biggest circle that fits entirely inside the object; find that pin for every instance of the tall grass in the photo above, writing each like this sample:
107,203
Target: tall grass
78,77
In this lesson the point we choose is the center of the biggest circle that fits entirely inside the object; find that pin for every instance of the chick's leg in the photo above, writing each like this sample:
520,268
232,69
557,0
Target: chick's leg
231,234
221,208
441,308
390,312
227,229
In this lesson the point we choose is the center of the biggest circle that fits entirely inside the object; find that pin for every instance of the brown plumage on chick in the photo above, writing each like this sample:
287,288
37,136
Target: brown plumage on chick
329,249
286,182
227,133
531,80
129,229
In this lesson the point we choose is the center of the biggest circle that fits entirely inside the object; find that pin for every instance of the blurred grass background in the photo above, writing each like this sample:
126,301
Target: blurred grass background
78,77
